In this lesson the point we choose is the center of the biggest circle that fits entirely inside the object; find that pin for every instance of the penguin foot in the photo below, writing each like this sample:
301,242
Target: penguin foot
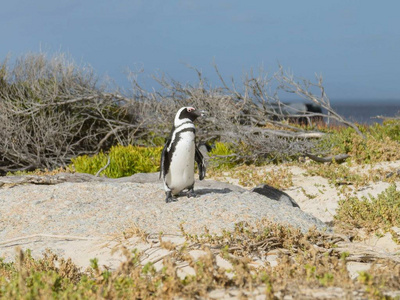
170,198
191,194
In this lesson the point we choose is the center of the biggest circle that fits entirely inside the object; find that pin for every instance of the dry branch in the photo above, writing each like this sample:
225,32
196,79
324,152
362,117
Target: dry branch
303,88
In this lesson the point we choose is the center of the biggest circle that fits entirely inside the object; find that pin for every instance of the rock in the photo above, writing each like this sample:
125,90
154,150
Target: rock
275,194
217,187
102,206
141,178
206,186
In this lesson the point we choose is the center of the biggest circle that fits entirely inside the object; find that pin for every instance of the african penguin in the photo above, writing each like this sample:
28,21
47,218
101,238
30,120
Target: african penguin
179,154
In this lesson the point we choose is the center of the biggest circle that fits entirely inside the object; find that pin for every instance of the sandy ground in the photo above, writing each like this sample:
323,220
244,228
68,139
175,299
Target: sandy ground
325,203
316,196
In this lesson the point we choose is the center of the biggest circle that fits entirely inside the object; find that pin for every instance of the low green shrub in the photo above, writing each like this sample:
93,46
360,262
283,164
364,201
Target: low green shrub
124,161
381,143
338,174
389,128
380,212
223,155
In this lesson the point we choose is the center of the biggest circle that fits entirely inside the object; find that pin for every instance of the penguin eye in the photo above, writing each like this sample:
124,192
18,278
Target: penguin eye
190,109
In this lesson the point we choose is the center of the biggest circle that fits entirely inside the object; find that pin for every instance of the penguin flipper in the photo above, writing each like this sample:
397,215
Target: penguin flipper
165,159
198,157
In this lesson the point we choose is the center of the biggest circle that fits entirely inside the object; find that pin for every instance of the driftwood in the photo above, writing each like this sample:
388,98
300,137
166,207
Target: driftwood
337,158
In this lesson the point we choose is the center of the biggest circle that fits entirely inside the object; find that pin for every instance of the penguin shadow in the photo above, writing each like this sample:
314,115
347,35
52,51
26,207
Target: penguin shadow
205,191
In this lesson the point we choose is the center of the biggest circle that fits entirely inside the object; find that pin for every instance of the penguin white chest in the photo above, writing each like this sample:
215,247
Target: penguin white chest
181,172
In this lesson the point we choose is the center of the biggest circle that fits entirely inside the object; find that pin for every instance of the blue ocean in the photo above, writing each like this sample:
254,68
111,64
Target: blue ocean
365,112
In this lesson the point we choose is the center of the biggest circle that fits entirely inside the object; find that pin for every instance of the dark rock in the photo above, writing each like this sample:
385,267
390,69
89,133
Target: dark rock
275,194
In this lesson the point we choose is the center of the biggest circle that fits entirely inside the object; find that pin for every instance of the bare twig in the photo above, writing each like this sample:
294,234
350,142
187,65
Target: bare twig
103,168
42,235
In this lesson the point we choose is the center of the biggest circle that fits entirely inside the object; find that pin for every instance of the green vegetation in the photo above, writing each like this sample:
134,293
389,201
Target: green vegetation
223,156
124,161
337,174
381,143
389,128
250,176
381,212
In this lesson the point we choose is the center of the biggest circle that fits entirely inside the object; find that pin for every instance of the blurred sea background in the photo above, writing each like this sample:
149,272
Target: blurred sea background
365,112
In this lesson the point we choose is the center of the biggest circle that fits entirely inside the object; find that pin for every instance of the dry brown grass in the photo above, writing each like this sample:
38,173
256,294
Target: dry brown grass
306,262
250,175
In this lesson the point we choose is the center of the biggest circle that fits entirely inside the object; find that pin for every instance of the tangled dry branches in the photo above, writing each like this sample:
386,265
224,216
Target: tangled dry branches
52,110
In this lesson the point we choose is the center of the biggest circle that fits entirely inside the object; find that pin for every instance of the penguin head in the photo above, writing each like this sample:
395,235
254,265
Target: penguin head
187,113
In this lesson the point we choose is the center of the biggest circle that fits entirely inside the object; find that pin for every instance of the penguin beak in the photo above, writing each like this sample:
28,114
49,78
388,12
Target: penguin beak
199,113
